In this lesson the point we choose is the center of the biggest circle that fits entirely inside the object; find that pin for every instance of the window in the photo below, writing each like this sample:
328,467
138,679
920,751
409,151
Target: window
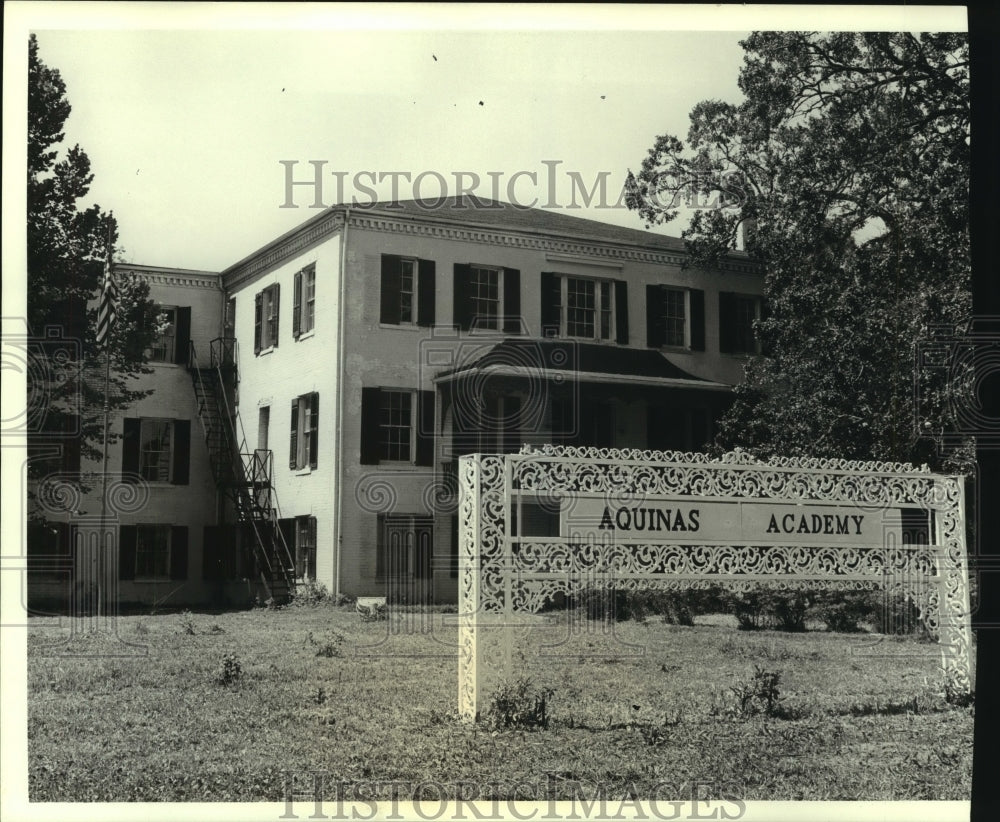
397,425
304,447
407,291
737,315
486,306
152,552
487,297
158,450
266,318
305,547
675,317
263,424
164,347
229,321
584,308
304,309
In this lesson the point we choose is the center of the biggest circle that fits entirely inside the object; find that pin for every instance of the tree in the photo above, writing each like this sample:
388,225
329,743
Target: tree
846,167
67,247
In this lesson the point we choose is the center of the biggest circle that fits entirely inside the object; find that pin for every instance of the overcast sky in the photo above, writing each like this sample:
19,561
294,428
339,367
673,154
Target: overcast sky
186,130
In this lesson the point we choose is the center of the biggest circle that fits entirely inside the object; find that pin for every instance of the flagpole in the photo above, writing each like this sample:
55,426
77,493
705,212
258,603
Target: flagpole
102,552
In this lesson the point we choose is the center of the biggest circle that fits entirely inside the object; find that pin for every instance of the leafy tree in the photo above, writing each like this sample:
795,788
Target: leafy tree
846,167
67,247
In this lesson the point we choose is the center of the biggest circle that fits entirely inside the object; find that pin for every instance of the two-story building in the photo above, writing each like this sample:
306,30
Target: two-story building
353,359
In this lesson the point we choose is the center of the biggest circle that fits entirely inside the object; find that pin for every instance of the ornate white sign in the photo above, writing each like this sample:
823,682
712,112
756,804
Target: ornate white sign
558,519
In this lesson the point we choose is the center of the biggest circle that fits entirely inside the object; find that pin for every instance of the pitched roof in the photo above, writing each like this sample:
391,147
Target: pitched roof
498,214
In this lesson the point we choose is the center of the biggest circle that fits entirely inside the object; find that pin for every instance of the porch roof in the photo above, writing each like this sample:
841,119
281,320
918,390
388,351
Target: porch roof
586,362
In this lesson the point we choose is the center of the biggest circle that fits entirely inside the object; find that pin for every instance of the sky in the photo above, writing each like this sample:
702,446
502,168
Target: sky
194,123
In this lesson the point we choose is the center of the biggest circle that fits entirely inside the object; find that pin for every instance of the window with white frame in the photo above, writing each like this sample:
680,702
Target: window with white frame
675,317
304,308
163,348
156,450
266,310
486,289
396,438
304,447
152,552
588,308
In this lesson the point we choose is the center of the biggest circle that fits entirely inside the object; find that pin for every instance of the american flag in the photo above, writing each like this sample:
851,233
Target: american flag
106,312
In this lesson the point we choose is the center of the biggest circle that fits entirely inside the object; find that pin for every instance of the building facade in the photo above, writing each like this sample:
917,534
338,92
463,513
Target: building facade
351,361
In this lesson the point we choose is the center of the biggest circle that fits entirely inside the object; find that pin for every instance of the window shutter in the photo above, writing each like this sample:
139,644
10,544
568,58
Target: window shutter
511,424
425,428
551,296
276,309
130,447
425,292
389,307
462,304
371,406
296,304
126,552
182,338
314,430
727,322
697,299
182,451
512,301
294,441
178,552
655,326
258,319
621,312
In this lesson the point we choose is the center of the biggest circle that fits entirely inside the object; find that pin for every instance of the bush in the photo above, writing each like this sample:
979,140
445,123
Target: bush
519,704
310,594
790,612
332,646
611,605
754,610
896,614
758,694
230,671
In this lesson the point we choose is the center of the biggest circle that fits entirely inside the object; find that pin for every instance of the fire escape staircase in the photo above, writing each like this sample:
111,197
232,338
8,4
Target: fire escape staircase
243,475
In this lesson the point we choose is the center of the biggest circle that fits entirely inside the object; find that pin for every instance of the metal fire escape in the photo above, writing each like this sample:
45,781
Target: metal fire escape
243,475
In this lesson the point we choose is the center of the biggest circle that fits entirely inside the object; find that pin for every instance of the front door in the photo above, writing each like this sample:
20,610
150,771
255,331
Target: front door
408,547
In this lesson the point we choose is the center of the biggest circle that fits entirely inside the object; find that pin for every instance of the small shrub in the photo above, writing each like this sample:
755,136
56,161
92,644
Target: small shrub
187,623
310,594
958,694
216,629
343,599
895,614
753,610
758,694
519,704
319,697
790,612
844,611
230,670
331,647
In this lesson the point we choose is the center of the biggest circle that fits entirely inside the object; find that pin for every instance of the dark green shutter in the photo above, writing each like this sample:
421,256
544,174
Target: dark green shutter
621,312
182,451
425,292
276,302
462,302
296,303
551,296
371,406
655,320
294,436
314,430
258,320
727,322
126,552
697,319
178,552
182,337
389,294
130,448
512,323
425,428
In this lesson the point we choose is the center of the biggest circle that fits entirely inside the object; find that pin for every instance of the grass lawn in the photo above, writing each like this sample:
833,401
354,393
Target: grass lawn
645,707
